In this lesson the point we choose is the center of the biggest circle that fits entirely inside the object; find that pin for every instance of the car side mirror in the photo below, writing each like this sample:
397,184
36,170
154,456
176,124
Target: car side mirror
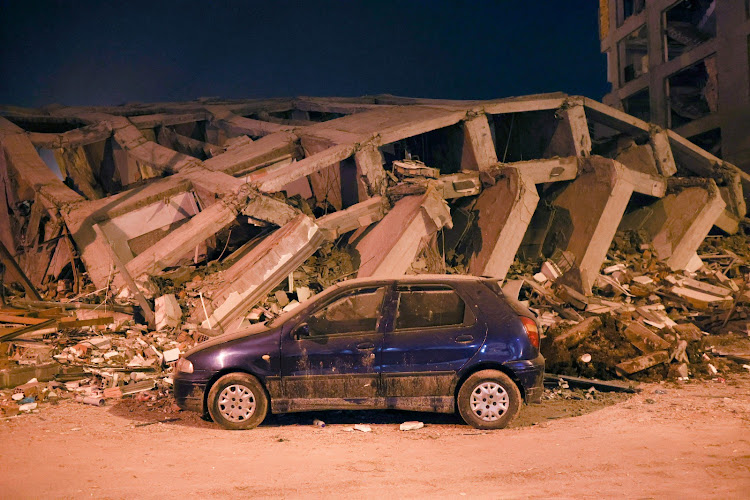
302,330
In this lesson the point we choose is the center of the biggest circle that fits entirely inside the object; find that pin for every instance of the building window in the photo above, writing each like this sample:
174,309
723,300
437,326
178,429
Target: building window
633,50
693,92
710,141
638,105
628,8
688,24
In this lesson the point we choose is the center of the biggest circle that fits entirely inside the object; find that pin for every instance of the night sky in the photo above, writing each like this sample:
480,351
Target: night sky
111,52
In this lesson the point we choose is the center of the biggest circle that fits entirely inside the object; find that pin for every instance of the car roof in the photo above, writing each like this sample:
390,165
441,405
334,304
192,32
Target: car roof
416,278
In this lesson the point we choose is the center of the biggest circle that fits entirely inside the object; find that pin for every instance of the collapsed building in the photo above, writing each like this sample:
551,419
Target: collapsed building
196,218
118,196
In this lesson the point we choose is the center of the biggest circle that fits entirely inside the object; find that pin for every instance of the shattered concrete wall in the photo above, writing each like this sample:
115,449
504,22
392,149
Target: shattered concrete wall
118,197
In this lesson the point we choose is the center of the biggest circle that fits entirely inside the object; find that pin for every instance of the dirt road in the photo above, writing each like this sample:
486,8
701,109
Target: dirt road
665,442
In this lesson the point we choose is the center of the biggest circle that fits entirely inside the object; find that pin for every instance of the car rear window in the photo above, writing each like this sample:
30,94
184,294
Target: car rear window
429,306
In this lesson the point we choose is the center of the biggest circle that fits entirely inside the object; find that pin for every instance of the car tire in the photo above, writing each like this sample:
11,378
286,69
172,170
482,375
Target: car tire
488,399
237,401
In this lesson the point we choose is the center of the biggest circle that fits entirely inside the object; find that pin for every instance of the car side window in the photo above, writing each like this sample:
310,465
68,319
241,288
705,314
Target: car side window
354,312
430,306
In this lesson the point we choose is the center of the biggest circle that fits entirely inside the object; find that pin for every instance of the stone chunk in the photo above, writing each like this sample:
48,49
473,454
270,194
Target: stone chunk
168,312
579,332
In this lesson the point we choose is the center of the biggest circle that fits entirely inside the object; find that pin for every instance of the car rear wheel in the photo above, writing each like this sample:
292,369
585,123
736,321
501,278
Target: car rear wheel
488,399
237,401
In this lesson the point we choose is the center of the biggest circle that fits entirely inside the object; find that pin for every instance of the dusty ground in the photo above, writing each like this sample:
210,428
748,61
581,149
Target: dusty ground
690,441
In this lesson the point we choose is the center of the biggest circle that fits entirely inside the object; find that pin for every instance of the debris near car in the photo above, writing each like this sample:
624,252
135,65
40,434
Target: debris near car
644,321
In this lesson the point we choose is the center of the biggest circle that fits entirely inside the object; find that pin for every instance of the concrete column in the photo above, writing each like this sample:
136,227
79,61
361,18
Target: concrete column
261,270
678,223
370,174
505,211
392,245
596,201
479,149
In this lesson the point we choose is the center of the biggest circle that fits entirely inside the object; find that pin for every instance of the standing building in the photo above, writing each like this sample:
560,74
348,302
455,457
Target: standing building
684,65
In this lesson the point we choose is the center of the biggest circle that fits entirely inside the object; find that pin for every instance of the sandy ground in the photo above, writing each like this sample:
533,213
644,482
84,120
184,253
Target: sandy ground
684,442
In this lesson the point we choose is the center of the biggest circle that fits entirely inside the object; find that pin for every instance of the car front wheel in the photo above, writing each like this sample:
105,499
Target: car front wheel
237,401
488,399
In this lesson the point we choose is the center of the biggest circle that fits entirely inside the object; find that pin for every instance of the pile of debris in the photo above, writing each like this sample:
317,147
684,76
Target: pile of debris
645,321
218,213
106,356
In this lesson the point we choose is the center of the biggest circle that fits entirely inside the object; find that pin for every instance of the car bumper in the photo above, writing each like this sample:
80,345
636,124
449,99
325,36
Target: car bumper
530,375
189,394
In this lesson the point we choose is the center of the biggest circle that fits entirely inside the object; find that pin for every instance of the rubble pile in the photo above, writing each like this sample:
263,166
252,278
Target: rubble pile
128,233
106,360
644,321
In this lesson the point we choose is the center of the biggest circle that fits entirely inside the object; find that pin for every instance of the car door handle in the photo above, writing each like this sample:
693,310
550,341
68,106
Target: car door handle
464,339
366,346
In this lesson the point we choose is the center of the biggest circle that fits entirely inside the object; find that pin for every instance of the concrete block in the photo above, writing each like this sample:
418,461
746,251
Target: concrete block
168,312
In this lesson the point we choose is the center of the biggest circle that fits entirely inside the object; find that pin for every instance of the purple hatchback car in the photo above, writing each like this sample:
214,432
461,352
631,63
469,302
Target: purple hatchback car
434,343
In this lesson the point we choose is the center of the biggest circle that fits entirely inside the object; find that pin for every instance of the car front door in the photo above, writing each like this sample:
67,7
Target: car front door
435,331
334,352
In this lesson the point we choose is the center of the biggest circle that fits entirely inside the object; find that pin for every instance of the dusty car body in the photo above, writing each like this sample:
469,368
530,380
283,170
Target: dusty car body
424,343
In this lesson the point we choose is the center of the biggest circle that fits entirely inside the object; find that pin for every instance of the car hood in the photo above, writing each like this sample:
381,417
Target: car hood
228,337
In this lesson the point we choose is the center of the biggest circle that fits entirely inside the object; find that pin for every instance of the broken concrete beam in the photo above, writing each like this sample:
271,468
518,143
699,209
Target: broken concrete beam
701,162
640,363
75,164
148,313
702,300
141,149
266,151
677,224
458,185
370,170
168,119
261,270
239,125
571,137
186,145
392,245
360,215
578,333
75,138
167,312
183,239
414,169
268,209
637,157
478,151
272,181
644,339
504,212
665,164
705,287
31,170
595,202
615,119
550,170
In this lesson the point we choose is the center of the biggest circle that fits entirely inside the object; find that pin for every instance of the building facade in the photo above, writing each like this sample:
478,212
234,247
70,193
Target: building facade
683,64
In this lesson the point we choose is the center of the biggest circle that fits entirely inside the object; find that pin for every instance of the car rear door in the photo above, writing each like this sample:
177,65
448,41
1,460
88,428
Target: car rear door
335,351
433,331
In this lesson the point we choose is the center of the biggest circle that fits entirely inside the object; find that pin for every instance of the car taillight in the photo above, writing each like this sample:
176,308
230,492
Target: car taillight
531,330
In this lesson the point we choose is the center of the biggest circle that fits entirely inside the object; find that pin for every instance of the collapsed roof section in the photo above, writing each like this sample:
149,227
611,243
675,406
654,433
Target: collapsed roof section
130,191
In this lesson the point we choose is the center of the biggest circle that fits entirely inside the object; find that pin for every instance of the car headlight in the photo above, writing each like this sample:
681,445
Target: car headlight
184,366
